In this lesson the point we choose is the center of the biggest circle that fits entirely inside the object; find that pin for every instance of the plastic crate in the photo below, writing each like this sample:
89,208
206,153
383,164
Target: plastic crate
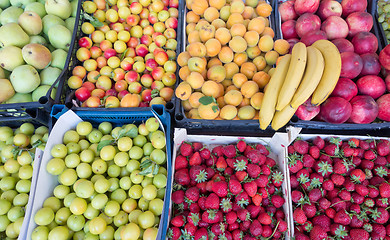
373,5
378,128
40,111
117,118
68,95
220,127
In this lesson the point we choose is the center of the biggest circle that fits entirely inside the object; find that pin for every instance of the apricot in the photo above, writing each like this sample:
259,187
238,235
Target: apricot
190,28
193,36
221,89
228,112
189,4
210,88
223,35
237,7
257,25
259,62
130,100
252,38
281,46
271,71
218,23
226,83
213,47
240,58
220,102
193,114
256,100
263,9
248,69
231,69
186,105
192,17
183,58
231,87
206,32
233,97
196,49
195,80
248,12
226,54
218,4
184,72
233,19
249,88
196,64
194,99
239,79
214,62
246,113
266,43
245,102
238,29
268,31
253,52
216,73
201,23
238,44
252,3
224,13
211,14
183,91
261,78
199,6
209,111
271,57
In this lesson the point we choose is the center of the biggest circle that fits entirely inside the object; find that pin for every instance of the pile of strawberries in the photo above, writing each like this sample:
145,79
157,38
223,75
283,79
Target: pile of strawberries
340,189
230,192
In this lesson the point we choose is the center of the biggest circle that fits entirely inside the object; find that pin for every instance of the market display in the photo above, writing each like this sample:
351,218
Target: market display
227,192
339,188
34,39
112,183
17,154
383,9
127,55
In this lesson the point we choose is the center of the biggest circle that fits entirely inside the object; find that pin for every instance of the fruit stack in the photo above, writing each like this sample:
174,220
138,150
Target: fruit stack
383,17
16,174
233,191
127,55
228,59
359,96
105,182
339,187
34,37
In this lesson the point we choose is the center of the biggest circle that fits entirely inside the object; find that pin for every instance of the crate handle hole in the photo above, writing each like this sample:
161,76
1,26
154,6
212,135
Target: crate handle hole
294,119
179,117
43,100
169,106
69,105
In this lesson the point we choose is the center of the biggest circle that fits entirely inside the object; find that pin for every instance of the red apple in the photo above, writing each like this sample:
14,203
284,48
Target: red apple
384,107
359,22
109,53
287,11
371,85
173,3
288,29
131,76
351,65
307,111
82,94
141,50
146,95
329,8
153,17
371,64
384,57
364,109
158,73
365,42
310,37
171,23
306,6
350,6
335,27
387,82
146,40
345,88
336,110
132,20
89,85
85,42
306,23
343,45
151,64
111,92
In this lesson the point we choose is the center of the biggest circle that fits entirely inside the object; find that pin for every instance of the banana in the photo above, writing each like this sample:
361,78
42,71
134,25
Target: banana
294,75
311,78
271,92
281,118
331,71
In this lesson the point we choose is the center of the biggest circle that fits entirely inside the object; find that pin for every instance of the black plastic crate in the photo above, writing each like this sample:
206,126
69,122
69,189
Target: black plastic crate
39,111
67,95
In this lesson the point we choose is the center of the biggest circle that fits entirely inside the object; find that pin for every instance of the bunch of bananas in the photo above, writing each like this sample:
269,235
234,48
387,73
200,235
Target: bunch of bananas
307,71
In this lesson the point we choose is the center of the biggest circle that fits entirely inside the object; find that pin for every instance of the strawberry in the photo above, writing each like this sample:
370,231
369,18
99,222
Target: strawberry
221,164
357,175
218,228
241,146
193,218
324,168
302,147
277,178
178,196
266,170
359,234
192,194
242,199
231,217
319,142
255,156
265,218
241,175
340,167
233,226
380,161
322,221
250,188
299,216
345,195
256,229
229,151
234,186
212,201
178,221
237,234
195,159
296,196
331,150
211,216
369,154
202,202
217,151
197,146
226,205
328,185
174,233
383,148
201,234
380,215
194,207
362,190
367,164
240,164
382,202
337,179
310,210
253,170
348,151
205,153
254,210
294,163
220,188
315,194
198,173
185,149
330,212
308,161
190,229
290,149
181,162
277,201
379,229
342,217
230,162
257,199
314,151
262,149
182,177
243,214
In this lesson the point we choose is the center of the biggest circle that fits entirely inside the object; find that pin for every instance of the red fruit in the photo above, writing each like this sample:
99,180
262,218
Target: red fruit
178,221
296,196
257,199
175,233
345,195
359,234
318,233
308,161
315,194
182,177
201,234
361,190
253,170
342,217
380,215
265,218
212,201
195,159
220,188
190,228
256,229
185,149
211,216
330,212
205,153
197,146
192,194
314,151
243,214
262,149
241,175
337,179
299,216
241,145
178,196
234,186
302,147
250,188
181,162
262,181
294,163
358,175
229,151
231,217
277,201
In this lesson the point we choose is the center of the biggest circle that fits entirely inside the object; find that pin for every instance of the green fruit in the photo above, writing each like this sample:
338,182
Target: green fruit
36,55
31,22
70,22
6,90
11,57
20,97
36,7
4,4
49,21
25,79
10,15
58,58
60,8
13,34
49,75
42,91
38,39
21,3
39,233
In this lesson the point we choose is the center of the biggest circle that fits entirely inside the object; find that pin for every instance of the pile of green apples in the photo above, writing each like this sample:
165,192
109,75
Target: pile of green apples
111,183
17,149
35,36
